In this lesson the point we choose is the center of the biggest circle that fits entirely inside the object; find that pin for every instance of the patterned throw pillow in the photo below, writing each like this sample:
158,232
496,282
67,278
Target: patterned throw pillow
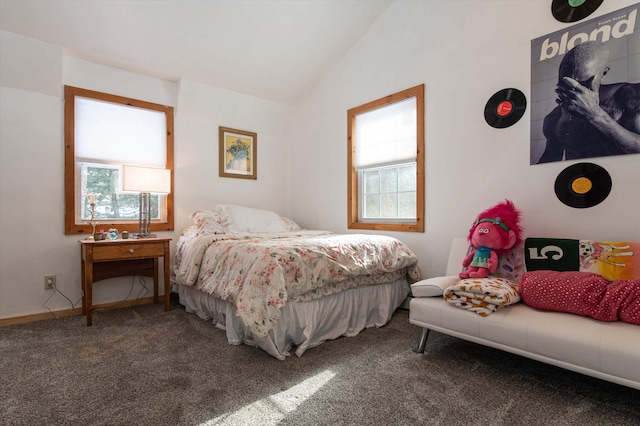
614,260
511,265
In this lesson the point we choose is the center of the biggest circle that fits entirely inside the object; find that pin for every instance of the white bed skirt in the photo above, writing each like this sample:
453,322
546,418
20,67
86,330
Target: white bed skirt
304,324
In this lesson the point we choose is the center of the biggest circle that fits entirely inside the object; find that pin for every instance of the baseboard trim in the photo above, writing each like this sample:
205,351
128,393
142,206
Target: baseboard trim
63,313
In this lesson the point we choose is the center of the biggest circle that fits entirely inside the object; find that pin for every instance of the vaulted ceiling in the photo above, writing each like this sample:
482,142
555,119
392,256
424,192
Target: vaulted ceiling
273,49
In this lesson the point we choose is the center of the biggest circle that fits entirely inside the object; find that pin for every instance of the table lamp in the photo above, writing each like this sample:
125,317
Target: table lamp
146,180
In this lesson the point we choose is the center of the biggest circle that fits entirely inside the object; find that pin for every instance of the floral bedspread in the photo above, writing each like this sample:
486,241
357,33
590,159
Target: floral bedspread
259,273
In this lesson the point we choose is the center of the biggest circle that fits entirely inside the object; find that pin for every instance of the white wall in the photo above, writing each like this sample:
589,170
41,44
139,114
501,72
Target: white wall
464,52
32,240
200,111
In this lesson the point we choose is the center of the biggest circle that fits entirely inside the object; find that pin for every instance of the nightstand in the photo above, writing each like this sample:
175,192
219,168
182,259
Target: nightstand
118,258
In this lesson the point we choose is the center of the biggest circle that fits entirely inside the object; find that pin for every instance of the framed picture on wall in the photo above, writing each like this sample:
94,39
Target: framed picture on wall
238,153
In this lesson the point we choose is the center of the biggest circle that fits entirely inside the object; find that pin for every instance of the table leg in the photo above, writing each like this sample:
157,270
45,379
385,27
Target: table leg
167,290
83,288
155,280
88,291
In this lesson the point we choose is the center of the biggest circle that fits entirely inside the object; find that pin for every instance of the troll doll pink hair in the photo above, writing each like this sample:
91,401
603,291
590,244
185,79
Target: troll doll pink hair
508,214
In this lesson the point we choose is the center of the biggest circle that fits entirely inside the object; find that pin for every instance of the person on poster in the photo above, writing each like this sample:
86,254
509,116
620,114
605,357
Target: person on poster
592,119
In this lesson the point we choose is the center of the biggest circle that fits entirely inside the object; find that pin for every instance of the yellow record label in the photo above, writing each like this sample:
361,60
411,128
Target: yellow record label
581,185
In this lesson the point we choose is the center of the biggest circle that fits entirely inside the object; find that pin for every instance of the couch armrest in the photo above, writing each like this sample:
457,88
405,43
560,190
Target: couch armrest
433,287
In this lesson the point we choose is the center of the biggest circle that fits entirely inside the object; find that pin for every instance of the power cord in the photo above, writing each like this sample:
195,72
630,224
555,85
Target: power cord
55,290
122,304
144,290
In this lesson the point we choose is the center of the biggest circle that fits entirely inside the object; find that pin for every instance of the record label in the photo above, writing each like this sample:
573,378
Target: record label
505,108
583,185
573,10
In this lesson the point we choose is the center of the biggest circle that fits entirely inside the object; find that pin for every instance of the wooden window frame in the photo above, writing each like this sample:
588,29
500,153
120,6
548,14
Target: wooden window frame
353,196
70,177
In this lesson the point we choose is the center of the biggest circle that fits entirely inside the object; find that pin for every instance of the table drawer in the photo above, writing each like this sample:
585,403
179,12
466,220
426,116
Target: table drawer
126,251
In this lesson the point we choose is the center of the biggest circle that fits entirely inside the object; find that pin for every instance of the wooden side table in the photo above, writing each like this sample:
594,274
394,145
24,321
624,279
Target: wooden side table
119,258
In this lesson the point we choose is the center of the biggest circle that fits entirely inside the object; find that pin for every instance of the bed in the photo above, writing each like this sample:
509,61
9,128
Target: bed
271,284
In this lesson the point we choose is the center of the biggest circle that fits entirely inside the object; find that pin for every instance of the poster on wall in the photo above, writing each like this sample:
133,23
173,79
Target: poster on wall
585,89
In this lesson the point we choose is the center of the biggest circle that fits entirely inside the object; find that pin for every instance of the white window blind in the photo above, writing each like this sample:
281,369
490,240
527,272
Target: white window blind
115,133
386,135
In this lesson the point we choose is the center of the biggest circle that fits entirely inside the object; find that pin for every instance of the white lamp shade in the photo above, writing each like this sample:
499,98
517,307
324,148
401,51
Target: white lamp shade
146,179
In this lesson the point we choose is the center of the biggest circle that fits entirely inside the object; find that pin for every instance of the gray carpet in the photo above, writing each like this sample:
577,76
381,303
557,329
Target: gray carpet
144,366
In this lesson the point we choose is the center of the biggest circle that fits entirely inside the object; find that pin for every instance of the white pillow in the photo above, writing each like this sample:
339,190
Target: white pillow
245,219
433,287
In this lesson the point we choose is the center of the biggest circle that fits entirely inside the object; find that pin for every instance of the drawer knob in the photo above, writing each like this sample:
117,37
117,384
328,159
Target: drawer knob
130,250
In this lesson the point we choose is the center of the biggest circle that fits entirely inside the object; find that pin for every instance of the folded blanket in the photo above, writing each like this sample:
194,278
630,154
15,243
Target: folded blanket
482,295
583,293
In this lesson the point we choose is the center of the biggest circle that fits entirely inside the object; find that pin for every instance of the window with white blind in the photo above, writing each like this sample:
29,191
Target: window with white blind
103,132
386,163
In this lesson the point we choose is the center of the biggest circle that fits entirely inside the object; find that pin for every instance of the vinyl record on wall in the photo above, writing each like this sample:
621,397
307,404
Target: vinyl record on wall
573,10
505,108
583,185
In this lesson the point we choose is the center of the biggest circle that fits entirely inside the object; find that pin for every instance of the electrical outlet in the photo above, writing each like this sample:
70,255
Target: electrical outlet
49,282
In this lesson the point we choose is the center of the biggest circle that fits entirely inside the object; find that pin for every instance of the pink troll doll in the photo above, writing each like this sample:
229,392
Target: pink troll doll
494,231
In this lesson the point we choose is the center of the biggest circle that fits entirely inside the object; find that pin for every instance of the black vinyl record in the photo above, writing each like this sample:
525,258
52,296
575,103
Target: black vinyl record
505,108
583,185
573,10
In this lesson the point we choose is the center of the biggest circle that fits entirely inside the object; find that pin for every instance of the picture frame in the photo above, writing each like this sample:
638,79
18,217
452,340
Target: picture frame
238,153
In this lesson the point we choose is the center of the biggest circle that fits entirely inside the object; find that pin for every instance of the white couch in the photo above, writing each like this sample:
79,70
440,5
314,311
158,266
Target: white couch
606,350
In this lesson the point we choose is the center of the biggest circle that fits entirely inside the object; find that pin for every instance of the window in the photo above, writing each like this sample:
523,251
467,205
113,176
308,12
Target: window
385,157
102,133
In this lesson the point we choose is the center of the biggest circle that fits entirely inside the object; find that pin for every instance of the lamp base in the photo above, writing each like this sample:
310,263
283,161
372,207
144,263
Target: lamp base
145,215
140,236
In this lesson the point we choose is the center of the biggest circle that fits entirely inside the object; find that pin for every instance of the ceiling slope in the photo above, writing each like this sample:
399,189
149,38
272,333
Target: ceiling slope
273,49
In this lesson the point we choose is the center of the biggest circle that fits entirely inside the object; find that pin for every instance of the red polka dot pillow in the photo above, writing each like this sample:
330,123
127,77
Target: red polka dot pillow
582,293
